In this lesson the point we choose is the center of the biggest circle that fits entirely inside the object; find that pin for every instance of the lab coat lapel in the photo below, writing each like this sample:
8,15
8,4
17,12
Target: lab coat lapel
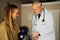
40,19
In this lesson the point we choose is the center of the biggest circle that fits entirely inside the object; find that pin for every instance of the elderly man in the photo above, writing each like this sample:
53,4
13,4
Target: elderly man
42,24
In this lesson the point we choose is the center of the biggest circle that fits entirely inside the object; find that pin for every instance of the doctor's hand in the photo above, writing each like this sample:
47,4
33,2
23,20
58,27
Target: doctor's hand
35,35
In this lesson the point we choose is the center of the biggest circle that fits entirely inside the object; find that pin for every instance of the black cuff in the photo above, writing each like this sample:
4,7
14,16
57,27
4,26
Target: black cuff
39,35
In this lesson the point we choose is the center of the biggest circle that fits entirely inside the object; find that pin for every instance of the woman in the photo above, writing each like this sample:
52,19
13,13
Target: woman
8,28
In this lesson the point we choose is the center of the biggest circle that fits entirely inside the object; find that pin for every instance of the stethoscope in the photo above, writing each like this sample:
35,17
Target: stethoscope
39,15
43,15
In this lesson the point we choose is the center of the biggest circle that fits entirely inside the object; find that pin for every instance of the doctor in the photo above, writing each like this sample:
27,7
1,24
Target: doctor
42,25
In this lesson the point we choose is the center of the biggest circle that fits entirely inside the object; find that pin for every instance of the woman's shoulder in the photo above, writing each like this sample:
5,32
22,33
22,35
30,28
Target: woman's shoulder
2,24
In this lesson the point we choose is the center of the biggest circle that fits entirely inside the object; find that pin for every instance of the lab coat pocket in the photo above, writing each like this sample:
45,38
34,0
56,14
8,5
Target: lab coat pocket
43,23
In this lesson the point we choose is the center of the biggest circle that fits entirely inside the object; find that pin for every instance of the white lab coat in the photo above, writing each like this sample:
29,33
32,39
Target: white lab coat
45,29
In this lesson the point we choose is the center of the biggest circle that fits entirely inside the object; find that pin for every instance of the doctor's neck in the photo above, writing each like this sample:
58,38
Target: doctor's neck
40,9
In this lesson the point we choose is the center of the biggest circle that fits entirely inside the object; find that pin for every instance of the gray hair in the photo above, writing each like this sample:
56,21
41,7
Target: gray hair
39,4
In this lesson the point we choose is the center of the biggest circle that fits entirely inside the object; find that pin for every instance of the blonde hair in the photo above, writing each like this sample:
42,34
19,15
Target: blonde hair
7,17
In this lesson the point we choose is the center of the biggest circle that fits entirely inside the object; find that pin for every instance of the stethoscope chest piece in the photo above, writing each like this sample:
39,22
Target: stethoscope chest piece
43,20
